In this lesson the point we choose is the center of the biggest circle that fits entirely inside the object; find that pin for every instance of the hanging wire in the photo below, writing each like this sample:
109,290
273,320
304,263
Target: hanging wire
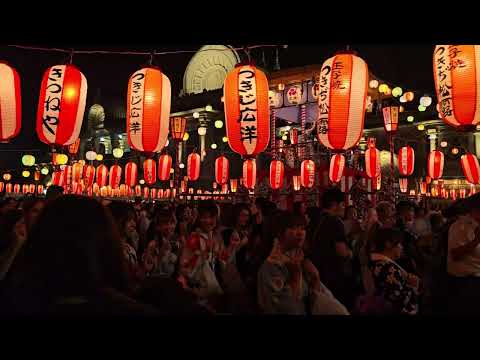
71,55
38,48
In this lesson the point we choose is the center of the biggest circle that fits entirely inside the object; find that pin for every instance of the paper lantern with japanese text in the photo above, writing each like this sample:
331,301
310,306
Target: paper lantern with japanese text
88,175
294,94
177,127
131,173
342,100
77,172
435,164
193,166
102,176
293,136
8,188
277,170
250,173
150,171
247,110
337,165
58,178
148,110
456,70
164,167
73,148
307,173
10,103
406,161
61,106
115,176
222,170
372,162
471,168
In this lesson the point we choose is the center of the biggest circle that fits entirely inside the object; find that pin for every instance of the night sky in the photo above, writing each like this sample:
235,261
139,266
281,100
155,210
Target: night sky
405,65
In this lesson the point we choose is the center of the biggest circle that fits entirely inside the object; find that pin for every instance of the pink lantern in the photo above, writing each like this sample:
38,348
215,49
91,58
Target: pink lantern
249,173
276,174
406,161
307,173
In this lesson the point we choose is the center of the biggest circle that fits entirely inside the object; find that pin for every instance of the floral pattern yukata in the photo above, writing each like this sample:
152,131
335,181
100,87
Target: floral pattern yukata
391,282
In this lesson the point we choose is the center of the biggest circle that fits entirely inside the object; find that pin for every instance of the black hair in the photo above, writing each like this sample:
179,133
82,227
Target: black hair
404,205
207,207
121,212
53,192
237,209
296,207
286,220
226,235
384,235
332,196
473,202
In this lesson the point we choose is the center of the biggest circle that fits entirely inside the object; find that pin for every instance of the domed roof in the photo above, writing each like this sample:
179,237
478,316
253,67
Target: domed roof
208,68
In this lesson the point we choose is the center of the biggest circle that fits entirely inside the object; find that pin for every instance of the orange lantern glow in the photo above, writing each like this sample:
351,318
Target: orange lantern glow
296,183
406,161
164,167
25,189
390,119
73,148
372,161
8,188
138,190
233,185
471,168
10,103
307,173
102,176
150,171
403,182
77,172
277,171
58,178
2,186
88,175
342,100
193,166
177,127
457,83
247,110
115,176
148,110
337,166
16,188
222,169
31,189
249,173
131,173
63,93
39,189
435,164
463,193
423,187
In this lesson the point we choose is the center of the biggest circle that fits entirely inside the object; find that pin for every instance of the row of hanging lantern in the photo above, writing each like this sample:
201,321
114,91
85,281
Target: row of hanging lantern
21,189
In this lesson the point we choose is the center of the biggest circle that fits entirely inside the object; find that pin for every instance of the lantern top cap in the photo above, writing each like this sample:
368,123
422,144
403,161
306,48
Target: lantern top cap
246,63
346,51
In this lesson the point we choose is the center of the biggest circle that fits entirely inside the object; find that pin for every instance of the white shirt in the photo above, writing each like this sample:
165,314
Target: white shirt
462,232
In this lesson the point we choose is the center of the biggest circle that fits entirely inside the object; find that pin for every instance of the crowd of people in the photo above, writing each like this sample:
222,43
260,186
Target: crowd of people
67,255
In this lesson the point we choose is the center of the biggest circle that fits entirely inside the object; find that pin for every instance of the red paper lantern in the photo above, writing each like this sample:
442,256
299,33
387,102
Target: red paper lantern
471,168
342,100
233,185
247,110
131,173
453,194
39,189
67,170
390,119
463,193
32,188
337,166
10,103
88,175
138,190
25,188
75,186
160,194
307,173
73,148
62,104
36,176
95,188
250,173
378,182
102,175
193,166
277,171
150,171
406,161
164,167
372,162
148,110
435,164
296,183
222,169
115,176
77,172
153,193
58,178
293,136
16,188
146,192
177,127
423,187
2,186
8,188
457,83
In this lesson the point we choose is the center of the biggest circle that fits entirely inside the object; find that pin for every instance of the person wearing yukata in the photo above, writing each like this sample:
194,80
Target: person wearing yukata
288,283
204,257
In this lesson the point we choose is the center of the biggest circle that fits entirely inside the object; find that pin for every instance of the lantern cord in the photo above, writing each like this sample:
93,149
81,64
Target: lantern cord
151,57
137,52
71,56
